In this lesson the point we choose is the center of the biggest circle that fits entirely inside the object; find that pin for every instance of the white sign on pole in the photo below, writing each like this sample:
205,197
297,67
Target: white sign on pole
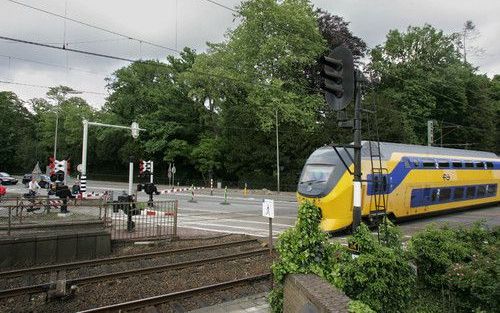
79,168
268,208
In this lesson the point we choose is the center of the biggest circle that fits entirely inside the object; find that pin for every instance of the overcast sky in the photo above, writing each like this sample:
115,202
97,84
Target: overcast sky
179,23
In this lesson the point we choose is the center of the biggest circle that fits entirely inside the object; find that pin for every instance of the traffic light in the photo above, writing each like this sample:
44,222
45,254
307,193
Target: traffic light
52,165
338,74
141,167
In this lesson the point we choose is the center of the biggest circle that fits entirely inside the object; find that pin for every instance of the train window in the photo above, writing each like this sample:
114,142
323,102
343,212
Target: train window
469,164
491,190
445,195
435,195
471,192
429,164
489,165
480,164
316,173
444,164
407,163
481,191
457,164
459,193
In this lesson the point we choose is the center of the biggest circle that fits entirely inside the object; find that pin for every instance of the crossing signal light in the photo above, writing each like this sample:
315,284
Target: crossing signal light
52,164
338,74
141,167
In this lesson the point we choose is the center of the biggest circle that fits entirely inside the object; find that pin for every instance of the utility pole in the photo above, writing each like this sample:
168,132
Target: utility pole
55,136
341,83
277,155
357,154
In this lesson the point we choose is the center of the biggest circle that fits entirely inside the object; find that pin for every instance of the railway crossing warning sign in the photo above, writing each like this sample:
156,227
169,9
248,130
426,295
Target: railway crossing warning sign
268,208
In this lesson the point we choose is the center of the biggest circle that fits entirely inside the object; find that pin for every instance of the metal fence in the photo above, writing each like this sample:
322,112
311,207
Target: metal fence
130,220
142,220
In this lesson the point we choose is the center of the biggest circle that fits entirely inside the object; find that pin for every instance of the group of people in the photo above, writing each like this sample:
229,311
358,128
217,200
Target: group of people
34,187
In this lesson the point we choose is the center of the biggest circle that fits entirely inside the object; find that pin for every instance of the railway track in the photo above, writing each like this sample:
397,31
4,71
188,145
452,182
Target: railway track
125,258
40,288
165,298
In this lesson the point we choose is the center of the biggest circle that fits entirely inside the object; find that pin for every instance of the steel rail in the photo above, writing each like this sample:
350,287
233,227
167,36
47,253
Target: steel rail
140,271
157,300
124,258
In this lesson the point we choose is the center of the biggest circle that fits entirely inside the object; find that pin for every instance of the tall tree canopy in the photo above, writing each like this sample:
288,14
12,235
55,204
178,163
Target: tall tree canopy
422,76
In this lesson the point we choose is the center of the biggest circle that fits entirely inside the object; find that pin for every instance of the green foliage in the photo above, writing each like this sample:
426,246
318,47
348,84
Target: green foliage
17,137
380,276
461,264
390,235
436,249
422,76
356,306
304,249
475,285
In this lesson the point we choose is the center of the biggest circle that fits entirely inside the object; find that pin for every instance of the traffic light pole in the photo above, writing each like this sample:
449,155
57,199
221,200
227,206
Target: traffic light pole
83,178
356,213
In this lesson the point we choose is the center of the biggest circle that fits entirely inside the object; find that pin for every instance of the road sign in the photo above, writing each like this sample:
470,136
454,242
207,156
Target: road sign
79,168
268,208
173,169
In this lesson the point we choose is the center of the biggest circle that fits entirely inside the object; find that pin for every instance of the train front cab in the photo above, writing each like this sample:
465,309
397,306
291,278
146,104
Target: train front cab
326,183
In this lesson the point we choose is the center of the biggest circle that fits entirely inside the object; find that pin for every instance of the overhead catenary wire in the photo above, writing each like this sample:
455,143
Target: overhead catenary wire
222,5
94,26
51,64
48,87
67,49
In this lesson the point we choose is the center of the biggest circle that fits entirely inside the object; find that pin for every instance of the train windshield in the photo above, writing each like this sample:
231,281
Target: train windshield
316,173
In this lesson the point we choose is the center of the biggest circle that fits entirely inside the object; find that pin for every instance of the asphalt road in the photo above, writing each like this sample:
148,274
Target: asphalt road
243,214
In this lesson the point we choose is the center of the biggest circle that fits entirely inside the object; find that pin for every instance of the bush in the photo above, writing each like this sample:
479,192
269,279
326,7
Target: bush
304,249
435,249
380,276
475,286
356,306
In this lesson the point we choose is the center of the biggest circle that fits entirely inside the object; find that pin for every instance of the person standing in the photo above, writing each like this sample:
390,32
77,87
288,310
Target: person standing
33,187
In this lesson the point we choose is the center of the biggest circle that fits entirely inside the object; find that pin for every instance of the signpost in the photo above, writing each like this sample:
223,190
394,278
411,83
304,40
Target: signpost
173,174
268,211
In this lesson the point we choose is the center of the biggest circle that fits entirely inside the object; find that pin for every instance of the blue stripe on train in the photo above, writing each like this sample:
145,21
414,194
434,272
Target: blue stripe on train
388,182
432,196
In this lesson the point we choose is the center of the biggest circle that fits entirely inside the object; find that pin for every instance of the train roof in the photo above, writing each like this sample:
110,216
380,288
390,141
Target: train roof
388,148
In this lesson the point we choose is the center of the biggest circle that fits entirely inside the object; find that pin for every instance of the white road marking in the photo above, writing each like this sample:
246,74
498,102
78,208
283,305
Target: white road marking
235,220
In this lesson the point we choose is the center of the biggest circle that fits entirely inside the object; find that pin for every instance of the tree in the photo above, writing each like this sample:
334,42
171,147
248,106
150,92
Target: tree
421,76
258,70
151,93
17,147
69,110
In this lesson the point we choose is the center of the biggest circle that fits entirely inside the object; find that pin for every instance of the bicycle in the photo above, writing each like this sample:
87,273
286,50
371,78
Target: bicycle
35,205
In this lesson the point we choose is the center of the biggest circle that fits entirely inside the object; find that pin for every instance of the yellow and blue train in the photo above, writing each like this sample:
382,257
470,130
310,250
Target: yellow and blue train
416,180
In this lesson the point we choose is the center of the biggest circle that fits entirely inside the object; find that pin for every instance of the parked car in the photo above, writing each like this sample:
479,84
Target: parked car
44,181
6,179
